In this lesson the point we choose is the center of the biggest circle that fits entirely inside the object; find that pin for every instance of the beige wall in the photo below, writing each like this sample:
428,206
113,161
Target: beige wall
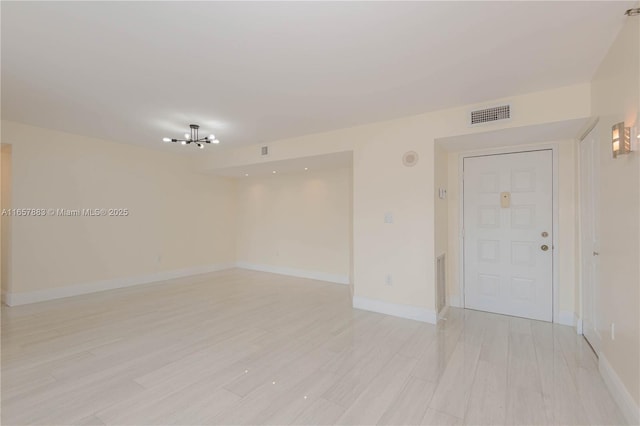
298,221
615,97
564,103
441,177
5,228
382,184
178,219
568,237
568,231
404,249
441,181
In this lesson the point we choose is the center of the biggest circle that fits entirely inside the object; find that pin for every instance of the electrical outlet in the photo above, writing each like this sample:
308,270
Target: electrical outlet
388,217
613,331
388,280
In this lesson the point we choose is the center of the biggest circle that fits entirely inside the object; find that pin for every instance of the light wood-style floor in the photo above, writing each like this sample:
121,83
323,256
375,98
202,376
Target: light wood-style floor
241,347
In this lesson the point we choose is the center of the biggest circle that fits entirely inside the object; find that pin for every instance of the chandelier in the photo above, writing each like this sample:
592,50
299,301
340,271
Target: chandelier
194,138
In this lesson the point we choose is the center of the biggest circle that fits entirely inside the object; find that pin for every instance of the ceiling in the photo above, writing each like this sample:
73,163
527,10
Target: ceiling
254,72
335,160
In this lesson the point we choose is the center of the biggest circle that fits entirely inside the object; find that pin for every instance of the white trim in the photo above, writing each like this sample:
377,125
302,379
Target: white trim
591,124
619,392
443,312
394,309
554,147
300,273
566,318
14,299
579,325
555,153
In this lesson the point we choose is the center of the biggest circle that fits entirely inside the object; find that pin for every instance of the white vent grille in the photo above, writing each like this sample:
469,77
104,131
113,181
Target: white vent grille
264,151
488,115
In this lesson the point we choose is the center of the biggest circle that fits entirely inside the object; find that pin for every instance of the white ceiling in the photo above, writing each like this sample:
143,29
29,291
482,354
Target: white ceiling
295,165
254,72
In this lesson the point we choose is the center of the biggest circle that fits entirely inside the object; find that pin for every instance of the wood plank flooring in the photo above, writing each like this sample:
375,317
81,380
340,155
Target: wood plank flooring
244,347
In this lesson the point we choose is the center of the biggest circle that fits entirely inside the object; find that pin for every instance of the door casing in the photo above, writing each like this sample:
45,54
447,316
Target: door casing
555,214
591,334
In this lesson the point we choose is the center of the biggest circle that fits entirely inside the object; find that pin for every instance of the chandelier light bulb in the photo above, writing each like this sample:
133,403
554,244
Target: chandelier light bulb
201,146
187,136
216,141
183,142
212,137
166,139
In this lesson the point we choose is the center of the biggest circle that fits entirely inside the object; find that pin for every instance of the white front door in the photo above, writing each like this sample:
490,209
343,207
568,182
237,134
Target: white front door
508,234
589,169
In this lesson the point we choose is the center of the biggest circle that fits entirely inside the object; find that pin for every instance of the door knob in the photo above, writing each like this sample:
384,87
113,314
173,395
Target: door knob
595,253
544,247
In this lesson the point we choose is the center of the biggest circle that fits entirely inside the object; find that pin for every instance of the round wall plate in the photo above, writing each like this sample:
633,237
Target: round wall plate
410,158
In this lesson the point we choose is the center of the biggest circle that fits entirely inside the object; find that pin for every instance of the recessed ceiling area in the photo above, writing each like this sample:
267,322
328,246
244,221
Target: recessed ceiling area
255,72
336,160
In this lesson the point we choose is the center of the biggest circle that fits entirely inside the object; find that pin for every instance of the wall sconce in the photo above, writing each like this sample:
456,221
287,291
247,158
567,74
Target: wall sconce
620,139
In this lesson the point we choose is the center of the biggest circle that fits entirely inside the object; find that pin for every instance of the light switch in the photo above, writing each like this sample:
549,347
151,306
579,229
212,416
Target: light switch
388,217
442,193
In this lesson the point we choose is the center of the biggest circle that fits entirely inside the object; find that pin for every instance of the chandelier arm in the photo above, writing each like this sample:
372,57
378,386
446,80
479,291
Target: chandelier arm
193,137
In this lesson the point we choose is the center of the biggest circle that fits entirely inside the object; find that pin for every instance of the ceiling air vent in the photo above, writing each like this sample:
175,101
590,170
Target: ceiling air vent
264,151
488,115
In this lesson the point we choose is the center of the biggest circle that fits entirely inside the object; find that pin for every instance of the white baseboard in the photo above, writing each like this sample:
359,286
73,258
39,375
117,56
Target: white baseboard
619,392
14,299
443,312
579,325
566,318
397,310
300,273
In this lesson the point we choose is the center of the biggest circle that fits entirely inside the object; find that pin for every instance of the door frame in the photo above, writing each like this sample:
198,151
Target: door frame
589,134
555,214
